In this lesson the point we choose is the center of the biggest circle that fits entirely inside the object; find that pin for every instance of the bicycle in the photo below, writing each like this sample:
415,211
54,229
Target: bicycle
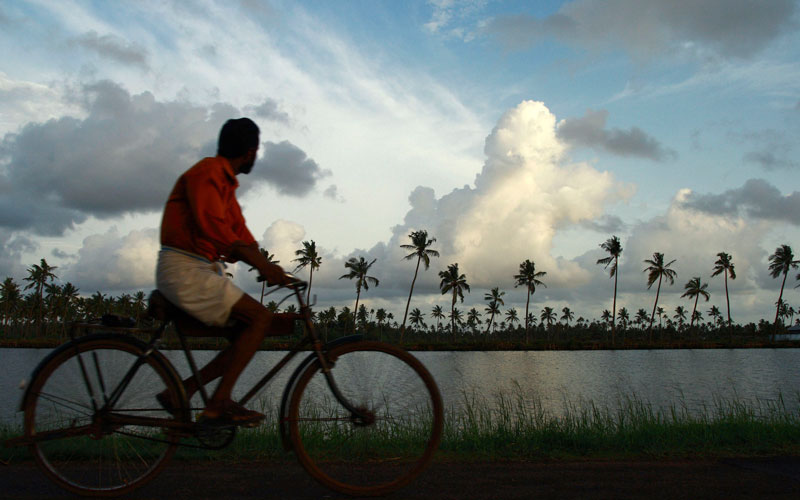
94,426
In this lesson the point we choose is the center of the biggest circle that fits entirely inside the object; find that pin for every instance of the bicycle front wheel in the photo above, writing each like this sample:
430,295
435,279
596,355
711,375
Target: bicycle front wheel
75,441
387,449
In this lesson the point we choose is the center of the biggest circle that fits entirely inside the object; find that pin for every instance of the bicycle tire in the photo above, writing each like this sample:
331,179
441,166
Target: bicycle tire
358,458
101,459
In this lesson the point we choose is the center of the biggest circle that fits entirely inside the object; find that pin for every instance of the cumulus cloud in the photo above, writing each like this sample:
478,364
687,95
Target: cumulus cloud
23,101
288,169
12,246
590,130
523,195
123,157
757,199
112,262
113,47
649,28
694,238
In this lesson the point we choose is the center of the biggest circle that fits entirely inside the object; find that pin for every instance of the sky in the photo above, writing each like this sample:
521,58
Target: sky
507,130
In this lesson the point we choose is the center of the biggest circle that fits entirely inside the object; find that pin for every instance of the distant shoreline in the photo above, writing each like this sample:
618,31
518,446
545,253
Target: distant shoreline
278,345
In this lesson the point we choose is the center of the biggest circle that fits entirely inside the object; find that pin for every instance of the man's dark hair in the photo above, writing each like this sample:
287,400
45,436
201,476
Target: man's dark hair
236,137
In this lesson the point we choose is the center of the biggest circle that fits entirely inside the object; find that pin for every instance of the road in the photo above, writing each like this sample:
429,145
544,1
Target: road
764,478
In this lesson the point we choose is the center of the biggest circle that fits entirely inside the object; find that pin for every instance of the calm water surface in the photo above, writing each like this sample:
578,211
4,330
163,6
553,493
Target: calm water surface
662,377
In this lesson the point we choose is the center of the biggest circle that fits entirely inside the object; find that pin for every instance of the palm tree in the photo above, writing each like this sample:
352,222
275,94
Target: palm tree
69,294
567,315
10,298
456,283
780,263
614,249
380,317
715,315
271,259
473,318
724,264
511,317
416,318
548,316
694,288
641,317
420,249
358,271
456,317
308,256
437,313
656,271
660,314
680,316
529,278
624,317
495,298
39,275
606,316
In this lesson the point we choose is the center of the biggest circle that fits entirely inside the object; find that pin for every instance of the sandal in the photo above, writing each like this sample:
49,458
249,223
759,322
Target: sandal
229,411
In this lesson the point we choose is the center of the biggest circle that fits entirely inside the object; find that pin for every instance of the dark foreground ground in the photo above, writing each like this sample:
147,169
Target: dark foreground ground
749,478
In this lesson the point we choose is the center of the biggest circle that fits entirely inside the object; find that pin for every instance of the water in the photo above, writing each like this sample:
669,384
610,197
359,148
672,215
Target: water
662,377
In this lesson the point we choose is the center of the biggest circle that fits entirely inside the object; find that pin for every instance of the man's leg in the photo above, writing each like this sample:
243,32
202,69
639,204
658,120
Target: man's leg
258,319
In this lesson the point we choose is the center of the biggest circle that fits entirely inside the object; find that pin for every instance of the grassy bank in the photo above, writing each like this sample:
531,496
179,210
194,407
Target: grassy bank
517,427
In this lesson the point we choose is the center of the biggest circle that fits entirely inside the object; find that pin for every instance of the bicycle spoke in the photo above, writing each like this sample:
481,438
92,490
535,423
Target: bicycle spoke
391,433
114,455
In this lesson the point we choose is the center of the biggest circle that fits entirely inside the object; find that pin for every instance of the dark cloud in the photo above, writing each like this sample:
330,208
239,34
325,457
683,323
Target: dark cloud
269,110
590,131
756,198
771,149
57,252
114,48
646,28
123,157
605,224
769,161
288,169
332,192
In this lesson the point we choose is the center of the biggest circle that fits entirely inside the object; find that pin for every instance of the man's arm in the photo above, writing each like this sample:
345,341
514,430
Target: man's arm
250,254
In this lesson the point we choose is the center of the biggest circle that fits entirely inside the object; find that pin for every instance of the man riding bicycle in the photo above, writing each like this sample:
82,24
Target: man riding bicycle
203,225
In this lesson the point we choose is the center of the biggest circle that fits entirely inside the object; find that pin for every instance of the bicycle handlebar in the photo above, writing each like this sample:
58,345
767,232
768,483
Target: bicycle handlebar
295,284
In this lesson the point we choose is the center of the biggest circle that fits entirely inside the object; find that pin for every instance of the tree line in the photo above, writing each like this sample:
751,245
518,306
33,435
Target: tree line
48,307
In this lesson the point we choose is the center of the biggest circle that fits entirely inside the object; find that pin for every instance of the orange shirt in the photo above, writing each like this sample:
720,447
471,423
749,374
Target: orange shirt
202,215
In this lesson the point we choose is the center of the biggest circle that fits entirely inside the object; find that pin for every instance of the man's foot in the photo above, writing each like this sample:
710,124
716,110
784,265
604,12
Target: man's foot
229,411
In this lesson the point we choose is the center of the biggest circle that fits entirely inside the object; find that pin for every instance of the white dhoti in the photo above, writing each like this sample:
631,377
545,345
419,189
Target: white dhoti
196,285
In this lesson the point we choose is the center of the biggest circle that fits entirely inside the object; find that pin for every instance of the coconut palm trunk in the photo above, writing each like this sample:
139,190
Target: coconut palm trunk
728,304
653,315
527,302
778,308
614,304
408,302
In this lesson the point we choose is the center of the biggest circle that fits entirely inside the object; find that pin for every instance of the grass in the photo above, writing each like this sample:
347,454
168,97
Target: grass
517,427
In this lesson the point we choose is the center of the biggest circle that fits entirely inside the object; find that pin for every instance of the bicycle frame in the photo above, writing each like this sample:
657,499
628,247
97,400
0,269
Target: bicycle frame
149,348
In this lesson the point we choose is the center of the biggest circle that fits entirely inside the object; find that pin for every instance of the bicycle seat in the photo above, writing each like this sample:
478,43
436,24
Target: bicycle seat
158,307
161,309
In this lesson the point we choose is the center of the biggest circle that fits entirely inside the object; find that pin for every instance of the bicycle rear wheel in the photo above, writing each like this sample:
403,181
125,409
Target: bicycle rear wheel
75,444
387,450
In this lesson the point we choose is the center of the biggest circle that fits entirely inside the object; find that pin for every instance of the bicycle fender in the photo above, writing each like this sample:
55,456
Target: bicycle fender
94,336
290,385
